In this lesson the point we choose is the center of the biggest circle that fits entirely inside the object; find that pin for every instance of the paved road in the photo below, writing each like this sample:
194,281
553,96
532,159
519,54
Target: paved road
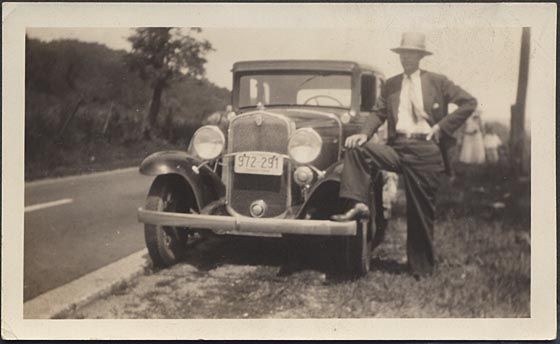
76,225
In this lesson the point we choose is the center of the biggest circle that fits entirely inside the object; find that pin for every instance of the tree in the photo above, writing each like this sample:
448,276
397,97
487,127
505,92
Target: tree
161,55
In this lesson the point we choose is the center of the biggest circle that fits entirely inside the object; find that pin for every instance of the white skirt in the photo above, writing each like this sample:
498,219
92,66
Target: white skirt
472,150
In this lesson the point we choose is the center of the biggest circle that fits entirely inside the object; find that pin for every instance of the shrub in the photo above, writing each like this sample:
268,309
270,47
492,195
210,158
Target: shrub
80,94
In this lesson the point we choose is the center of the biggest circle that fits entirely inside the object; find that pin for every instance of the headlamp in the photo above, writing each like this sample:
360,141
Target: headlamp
208,142
305,145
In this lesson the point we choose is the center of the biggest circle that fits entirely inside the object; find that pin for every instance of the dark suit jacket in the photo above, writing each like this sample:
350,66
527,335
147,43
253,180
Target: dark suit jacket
437,93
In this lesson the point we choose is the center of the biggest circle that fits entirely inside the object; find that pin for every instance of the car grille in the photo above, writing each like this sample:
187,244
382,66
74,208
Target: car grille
245,134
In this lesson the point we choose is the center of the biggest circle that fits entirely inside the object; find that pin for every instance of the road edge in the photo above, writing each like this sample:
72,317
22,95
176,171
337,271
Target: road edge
85,289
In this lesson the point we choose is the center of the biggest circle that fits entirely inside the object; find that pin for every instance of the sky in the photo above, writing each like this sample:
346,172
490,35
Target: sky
484,61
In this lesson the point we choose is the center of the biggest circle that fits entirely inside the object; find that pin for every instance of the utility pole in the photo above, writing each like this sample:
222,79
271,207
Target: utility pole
517,128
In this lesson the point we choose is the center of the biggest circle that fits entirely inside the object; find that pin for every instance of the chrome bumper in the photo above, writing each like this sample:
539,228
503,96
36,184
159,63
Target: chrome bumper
239,225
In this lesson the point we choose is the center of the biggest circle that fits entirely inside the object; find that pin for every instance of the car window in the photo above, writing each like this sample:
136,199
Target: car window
259,91
325,97
313,89
368,92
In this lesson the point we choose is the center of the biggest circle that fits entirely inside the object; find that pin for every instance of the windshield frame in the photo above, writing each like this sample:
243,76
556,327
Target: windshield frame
238,75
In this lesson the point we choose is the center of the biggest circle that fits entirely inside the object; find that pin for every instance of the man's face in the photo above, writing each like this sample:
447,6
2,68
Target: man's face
410,60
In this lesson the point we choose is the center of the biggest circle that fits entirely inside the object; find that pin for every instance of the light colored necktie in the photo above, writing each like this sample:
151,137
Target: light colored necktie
417,112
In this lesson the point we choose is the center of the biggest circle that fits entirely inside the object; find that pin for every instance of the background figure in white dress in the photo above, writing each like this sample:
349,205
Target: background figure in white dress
472,149
491,143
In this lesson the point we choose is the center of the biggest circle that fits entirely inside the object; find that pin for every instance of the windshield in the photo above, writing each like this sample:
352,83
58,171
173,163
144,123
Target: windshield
312,89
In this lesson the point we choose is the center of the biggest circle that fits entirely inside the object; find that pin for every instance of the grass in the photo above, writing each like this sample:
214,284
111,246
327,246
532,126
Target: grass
483,253
97,156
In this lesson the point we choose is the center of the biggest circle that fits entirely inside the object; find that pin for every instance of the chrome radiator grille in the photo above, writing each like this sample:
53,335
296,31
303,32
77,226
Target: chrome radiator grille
258,132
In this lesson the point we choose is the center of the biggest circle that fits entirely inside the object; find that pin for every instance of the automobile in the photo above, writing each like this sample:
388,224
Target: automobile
273,169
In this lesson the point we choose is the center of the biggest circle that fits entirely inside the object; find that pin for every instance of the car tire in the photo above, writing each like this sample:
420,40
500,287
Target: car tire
357,249
166,245
381,223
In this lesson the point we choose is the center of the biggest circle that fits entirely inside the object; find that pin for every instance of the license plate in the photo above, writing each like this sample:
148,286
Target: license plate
259,163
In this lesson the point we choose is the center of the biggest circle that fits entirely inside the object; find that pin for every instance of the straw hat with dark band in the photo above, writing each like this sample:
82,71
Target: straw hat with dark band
412,41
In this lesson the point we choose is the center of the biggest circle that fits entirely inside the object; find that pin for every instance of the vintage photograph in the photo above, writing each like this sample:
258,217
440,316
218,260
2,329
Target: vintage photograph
229,172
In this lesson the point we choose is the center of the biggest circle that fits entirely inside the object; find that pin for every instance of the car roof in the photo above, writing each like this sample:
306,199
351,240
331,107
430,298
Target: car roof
330,65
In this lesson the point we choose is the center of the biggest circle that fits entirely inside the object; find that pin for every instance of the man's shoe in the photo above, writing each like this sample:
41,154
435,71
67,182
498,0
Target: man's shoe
358,211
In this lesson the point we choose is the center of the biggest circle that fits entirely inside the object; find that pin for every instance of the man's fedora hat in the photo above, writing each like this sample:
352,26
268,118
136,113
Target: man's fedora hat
412,41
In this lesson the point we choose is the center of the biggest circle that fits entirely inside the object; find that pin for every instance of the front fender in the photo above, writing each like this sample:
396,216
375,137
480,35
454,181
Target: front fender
206,185
323,199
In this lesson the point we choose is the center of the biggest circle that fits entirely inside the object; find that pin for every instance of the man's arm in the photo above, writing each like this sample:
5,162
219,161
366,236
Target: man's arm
371,124
466,104
378,115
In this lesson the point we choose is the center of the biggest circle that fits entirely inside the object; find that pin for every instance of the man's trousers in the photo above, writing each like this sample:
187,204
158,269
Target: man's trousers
421,164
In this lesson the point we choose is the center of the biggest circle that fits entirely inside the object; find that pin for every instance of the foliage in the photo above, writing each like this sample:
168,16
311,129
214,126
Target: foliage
82,95
161,55
167,53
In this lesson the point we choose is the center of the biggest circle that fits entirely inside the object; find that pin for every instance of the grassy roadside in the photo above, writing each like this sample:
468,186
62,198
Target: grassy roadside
482,237
93,157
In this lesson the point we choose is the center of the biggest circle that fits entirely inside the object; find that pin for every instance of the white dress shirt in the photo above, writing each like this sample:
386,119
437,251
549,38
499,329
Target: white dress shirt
407,122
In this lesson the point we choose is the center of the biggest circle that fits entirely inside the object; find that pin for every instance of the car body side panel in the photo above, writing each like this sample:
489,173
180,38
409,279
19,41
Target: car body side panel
205,185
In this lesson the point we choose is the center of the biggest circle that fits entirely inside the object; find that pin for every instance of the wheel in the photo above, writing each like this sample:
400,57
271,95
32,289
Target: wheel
380,221
357,249
166,245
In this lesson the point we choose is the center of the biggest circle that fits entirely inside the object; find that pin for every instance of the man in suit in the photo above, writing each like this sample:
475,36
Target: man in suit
414,104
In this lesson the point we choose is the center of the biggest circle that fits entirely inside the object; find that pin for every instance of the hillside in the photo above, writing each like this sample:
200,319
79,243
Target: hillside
84,109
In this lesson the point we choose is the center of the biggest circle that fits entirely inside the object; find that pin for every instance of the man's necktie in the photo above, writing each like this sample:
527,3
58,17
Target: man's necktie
417,112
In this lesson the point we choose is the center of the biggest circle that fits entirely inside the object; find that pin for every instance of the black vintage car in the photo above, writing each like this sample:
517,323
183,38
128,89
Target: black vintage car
274,169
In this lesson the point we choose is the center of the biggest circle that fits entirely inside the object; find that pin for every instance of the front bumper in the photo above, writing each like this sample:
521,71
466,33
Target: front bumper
247,225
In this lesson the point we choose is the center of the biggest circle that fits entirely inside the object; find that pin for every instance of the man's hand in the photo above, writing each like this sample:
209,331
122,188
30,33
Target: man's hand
434,134
355,140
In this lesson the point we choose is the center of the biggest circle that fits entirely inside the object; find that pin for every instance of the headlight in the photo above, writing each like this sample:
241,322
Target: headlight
208,142
305,145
